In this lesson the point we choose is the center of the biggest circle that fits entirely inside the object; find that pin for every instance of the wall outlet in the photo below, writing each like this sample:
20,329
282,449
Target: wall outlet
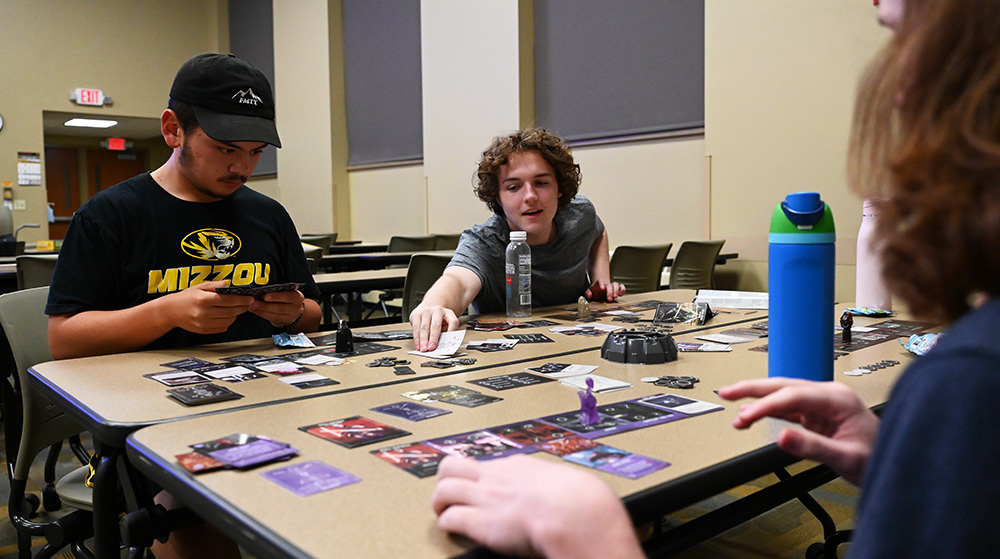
20,205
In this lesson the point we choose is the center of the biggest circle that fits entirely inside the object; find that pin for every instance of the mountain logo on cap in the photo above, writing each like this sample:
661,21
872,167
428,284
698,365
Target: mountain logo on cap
247,97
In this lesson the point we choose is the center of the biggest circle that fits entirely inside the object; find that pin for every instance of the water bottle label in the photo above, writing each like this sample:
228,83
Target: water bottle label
526,299
509,270
524,263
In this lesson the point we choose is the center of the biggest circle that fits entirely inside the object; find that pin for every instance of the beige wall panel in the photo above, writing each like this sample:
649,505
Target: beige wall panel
387,202
471,91
130,50
780,77
302,94
647,192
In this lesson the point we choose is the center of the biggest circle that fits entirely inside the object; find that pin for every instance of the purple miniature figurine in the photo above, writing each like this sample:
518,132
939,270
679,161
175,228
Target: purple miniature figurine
588,404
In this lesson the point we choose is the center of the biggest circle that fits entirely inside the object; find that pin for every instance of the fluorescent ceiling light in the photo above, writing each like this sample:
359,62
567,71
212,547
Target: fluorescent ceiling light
90,123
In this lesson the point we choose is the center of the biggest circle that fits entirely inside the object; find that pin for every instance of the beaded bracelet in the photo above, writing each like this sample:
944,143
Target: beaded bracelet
297,319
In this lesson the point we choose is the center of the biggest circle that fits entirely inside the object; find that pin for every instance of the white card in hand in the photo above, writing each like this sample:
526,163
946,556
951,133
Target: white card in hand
448,345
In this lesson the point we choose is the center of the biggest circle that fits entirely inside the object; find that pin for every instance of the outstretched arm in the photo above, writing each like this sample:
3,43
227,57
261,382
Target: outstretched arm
450,295
531,507
599,266
840,430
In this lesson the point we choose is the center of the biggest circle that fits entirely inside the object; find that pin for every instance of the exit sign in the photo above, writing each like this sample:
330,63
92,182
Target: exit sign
93,97
116,144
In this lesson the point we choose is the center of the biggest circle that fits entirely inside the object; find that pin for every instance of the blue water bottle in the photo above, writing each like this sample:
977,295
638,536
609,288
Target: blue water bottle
801,259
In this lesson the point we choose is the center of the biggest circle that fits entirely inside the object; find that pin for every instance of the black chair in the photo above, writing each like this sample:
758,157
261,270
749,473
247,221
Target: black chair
694,265
639,268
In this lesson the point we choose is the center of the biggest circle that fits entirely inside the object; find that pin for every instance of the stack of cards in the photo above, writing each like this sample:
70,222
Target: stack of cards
238,450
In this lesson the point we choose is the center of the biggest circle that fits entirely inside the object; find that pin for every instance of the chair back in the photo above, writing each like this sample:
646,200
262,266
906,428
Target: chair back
446,242
694,265
423,271
639,268
312,251
322,241
23,319
412,244
6,221
35,270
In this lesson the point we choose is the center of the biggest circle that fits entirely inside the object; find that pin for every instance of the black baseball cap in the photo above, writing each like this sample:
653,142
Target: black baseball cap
231,98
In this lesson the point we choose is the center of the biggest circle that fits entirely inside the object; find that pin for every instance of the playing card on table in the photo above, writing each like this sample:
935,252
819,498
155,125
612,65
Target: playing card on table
616,461
177,378
416,458
310,477
198,394
410,410
354,431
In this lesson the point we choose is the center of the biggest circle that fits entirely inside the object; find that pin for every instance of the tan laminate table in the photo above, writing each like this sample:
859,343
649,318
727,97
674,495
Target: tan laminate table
388,513
111,398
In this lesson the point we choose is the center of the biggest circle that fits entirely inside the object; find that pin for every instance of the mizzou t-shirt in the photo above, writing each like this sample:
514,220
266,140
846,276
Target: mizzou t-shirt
134,242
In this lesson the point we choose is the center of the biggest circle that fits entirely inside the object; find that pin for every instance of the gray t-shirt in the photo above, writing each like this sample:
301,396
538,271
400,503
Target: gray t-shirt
558,269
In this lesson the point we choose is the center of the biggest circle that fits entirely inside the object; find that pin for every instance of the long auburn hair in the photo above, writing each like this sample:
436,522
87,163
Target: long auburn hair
926,148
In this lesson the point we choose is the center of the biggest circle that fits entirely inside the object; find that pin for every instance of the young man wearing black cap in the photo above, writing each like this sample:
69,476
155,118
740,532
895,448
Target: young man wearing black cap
142,260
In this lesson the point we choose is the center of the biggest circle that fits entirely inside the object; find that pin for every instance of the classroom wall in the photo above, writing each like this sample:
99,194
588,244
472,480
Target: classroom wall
129,49
778,100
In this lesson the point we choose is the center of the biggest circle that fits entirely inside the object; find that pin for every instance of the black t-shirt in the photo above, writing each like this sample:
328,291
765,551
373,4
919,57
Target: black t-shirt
135,242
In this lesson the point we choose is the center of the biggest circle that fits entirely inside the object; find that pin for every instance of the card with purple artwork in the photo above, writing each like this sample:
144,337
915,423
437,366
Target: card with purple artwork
410,410
616,461
310,477
480,445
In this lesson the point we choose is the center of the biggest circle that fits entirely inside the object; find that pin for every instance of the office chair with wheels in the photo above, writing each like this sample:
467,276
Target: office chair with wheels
694,265
35,270
424,270
639,268
41,426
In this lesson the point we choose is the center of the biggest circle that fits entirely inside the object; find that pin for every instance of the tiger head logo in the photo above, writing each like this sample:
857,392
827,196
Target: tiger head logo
211,244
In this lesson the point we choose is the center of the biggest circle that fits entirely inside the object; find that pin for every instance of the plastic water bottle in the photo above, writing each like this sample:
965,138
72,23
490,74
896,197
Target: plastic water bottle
518,270
801,258
870,289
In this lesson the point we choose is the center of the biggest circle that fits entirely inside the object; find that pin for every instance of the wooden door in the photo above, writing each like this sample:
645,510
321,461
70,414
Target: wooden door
107,168
62,185
104,168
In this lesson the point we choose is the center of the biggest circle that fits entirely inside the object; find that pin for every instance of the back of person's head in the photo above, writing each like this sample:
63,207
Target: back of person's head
548,145
926,144
230,99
